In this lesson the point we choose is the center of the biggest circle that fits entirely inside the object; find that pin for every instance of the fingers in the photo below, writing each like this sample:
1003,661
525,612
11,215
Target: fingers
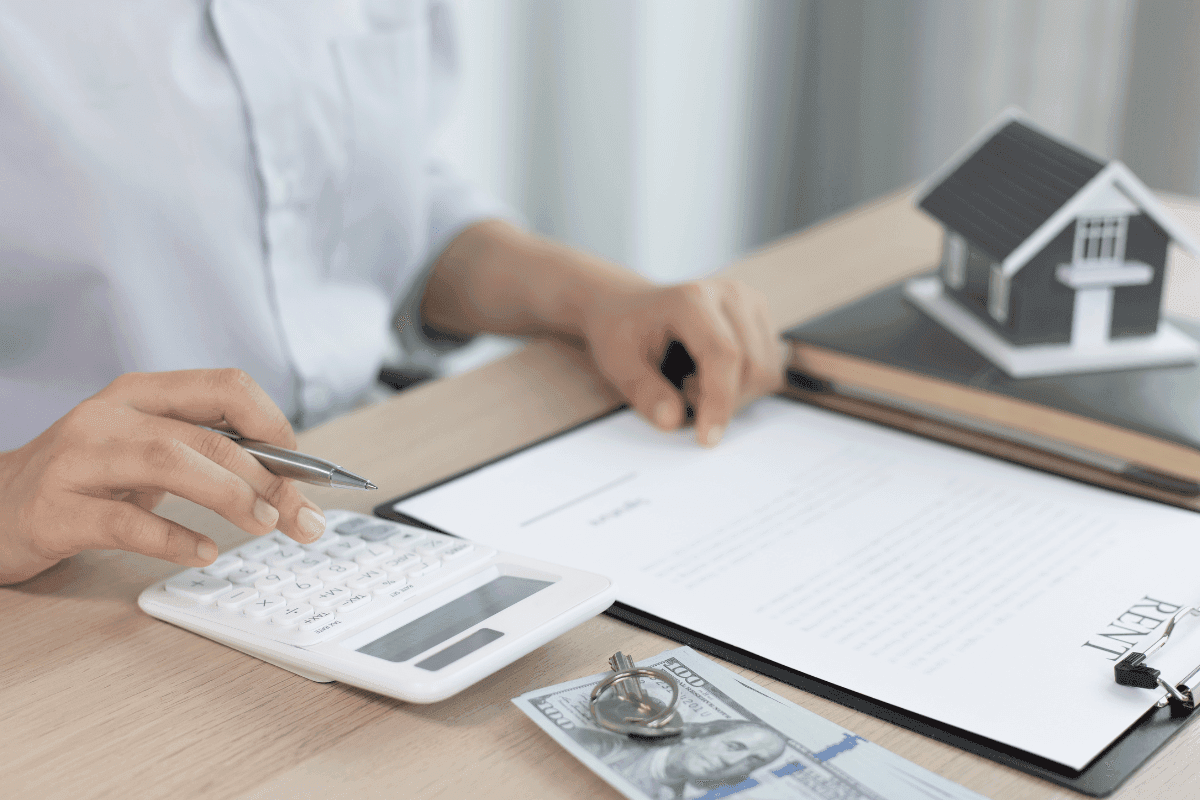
715,346
124,526
206,396
637,377
738,356
208,469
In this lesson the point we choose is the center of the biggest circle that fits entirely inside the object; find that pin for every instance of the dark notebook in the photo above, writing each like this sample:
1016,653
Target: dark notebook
1163,402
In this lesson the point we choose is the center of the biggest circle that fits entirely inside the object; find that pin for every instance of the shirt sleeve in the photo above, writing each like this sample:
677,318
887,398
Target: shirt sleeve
454,203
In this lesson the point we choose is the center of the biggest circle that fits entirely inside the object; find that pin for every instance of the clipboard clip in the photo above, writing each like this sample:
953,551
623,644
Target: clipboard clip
1133,670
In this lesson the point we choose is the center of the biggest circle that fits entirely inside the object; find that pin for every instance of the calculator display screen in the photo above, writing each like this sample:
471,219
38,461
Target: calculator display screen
453,618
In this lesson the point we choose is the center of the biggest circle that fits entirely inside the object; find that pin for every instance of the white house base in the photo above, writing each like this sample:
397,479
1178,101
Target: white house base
1168,346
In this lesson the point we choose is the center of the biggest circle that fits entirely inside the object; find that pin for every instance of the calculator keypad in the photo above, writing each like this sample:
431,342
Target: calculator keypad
359,570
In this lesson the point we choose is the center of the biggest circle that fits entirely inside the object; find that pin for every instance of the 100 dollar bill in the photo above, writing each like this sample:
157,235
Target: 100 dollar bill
739,740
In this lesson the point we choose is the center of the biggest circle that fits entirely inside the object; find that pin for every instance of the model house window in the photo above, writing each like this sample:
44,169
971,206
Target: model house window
998,293
1100,238
956,261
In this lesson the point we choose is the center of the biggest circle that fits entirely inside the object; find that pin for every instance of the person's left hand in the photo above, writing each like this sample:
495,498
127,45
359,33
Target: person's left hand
725,327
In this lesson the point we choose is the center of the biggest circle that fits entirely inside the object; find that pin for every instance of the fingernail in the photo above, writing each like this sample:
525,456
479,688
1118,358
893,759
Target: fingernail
206,551
266,514
713,437
662,414
311,523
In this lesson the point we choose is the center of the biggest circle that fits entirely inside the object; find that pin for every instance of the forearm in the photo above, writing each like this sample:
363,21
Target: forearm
496,278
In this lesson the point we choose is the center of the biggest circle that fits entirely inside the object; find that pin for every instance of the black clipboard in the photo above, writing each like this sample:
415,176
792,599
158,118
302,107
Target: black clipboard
1099,778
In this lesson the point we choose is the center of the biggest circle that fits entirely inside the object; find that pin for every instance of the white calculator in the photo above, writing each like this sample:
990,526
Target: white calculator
392,608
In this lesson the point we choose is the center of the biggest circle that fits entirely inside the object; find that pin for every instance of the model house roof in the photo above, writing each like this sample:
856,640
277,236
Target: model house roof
1014,188
1007,189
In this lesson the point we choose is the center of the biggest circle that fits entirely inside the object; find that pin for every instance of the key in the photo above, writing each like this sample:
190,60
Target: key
274,581
365,580
311,563
377,532
353,603
237,599
401,563
292,615
407,538
264,606
328,539
373,554
424,568
302,588
329,596
338,571
257,550
457,551
285,555
224,565
434,546
629,689
315,620
195,585
248,572
352,526
348,548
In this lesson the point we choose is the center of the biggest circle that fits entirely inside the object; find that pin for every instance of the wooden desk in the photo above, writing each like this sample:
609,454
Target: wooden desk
99,700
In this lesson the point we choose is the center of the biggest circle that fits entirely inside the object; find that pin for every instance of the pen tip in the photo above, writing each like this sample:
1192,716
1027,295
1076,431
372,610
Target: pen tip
371,485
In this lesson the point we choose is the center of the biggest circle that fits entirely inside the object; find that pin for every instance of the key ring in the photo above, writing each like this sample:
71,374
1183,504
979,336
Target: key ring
643,716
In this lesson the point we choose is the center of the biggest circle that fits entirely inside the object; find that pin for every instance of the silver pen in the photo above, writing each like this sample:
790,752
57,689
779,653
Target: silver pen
298,466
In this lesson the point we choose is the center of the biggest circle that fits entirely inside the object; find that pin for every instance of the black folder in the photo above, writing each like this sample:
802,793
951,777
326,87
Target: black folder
1099,778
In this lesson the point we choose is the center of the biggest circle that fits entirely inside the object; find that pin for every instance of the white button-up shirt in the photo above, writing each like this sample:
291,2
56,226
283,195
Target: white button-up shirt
187,184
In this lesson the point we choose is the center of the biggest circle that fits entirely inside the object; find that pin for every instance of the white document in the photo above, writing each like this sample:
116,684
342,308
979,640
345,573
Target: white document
982,594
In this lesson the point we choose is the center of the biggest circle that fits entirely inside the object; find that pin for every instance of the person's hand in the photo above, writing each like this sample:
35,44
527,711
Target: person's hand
725,327
91,479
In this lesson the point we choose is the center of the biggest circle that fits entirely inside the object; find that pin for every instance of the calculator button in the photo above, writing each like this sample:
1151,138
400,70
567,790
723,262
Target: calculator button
292,614
222,566
282,539
238,598
248,572
274,581
265,606
395,590
424,569
257,550
338,571
353,603
406,539
434,546
328,539
401,563
372,554
315,620
285,555
302,588
365,580
348,548
330,595
353,525
457,551
309,564
195,585
376,532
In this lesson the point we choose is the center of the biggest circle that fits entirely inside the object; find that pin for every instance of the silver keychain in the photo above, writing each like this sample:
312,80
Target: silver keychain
619,703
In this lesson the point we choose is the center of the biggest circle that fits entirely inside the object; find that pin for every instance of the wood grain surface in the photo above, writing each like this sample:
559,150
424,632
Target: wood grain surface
98,700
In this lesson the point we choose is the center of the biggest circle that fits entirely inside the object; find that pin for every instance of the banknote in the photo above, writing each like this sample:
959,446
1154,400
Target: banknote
739,740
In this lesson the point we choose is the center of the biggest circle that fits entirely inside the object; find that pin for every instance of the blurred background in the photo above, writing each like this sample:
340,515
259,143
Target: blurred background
674,135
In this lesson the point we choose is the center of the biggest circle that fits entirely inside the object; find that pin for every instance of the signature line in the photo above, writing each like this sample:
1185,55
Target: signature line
580,499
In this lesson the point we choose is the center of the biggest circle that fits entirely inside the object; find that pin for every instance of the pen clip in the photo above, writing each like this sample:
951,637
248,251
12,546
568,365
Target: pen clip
227,434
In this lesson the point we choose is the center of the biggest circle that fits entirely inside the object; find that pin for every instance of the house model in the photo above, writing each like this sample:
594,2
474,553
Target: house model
1052,260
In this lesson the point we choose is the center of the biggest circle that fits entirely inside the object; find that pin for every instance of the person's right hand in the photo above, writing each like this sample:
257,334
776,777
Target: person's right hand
91,479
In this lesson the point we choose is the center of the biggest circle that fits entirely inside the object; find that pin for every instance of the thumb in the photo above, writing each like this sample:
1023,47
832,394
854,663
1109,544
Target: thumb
650,394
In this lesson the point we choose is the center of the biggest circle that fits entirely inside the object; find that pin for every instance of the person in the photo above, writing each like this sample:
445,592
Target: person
212,212
705,756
